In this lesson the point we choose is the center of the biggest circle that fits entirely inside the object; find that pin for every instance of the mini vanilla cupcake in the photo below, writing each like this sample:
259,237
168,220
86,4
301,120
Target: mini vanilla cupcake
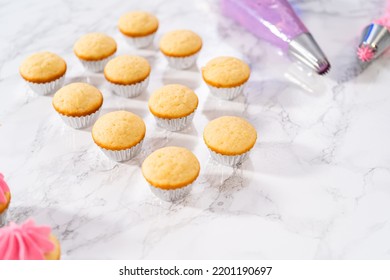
181,48
78,104
173,106
171,172
44,72
5,200
94,50
226,76
28,242
128,75
138,28
229,139
119,135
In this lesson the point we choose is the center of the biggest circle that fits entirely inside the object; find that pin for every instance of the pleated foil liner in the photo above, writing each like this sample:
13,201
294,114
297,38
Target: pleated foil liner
229,160
130,91
47,88
3,218
96,65
227,93
171,195
175,124
80,122
123,155
182,62
140,42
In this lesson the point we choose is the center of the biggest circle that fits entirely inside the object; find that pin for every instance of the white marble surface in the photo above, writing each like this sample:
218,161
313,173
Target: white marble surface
317,185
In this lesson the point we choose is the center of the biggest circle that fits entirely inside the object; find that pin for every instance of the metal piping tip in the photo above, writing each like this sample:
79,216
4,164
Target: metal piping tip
375,37
306,50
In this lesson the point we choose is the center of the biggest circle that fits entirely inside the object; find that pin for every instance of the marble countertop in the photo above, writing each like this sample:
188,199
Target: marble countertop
317,184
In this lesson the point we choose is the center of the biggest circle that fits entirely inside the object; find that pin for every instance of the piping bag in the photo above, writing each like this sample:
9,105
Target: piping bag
276,22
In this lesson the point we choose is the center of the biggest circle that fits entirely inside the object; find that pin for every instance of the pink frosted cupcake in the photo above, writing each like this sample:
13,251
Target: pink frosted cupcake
28,242
5,199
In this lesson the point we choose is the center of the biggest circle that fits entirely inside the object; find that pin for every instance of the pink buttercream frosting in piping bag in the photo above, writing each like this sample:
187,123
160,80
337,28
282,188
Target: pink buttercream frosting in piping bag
3,189
25,242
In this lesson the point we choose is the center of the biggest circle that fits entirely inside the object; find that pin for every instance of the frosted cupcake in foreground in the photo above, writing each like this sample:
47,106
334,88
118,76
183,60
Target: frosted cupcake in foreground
44,72
5,200
28,242
173,106
181,48
229,139
138,28
119,135
94,50
171,172
128,75
78,104
226,76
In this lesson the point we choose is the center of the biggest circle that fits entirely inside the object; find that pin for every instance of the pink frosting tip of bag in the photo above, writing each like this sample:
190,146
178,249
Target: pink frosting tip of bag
3,189
365,53
25,242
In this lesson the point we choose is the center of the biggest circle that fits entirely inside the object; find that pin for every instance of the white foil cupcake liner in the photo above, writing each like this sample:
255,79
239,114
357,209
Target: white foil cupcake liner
95,65
47,88
123,155
229,160
80,122
3,218
171,195
175,124
130,91
140,42
182,62
227,93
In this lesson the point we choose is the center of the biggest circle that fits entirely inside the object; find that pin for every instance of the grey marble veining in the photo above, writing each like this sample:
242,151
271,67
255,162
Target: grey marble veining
316,185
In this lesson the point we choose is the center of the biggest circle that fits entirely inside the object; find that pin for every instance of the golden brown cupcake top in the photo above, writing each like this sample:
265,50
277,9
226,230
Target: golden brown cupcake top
180,43
226,71
171,168
118,130
42,67
4,206
229,135
77,99
173,101
127,69
138,24
56,253
94,46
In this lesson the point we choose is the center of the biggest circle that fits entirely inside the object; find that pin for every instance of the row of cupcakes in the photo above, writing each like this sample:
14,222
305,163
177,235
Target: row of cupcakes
128,75
173,107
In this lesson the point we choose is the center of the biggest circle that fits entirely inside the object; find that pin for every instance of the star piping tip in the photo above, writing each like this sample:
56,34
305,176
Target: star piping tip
325,70
365,53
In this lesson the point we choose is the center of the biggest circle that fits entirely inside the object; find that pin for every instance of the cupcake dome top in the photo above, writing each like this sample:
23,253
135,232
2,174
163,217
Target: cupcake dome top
127,69
94,46
173,101
171,168
137,24
180,43
77,99
118,130
226,71
230,135
42,67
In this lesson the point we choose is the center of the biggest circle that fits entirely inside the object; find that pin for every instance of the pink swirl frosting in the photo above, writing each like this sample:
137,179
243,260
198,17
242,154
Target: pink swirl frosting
3,189
25,242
